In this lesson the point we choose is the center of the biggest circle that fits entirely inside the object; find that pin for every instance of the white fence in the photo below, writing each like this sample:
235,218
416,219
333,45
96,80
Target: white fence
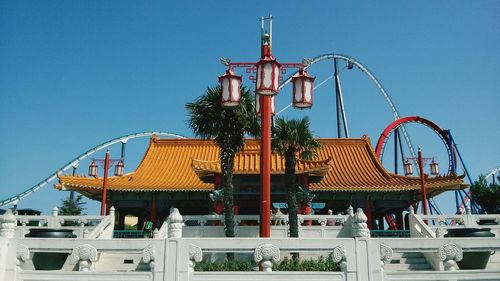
361,258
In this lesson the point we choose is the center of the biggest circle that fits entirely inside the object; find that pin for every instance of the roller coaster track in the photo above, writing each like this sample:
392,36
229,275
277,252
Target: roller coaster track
76,161
381,89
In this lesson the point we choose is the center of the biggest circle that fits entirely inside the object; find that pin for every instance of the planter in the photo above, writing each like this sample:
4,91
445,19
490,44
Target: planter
45,260
472,260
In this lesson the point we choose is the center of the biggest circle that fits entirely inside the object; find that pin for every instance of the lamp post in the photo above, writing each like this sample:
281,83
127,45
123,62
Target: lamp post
93,172
267,81
421,161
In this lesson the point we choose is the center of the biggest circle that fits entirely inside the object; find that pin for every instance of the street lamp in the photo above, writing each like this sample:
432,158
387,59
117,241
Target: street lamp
267,82
421,162
106,162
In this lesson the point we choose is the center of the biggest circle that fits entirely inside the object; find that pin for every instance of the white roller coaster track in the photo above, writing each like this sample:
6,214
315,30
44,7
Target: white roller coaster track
74,163
381,89
492,172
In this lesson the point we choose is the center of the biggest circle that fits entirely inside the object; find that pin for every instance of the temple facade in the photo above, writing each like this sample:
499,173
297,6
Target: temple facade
185,173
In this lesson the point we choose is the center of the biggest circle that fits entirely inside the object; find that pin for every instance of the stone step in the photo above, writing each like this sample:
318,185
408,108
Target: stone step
121,262
407,261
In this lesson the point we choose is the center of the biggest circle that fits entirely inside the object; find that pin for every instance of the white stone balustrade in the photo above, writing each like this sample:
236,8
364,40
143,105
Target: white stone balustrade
449,255
85,255
7,224
175,224
266,254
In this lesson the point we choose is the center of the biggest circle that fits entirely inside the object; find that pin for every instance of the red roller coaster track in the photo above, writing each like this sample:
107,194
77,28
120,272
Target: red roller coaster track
379,149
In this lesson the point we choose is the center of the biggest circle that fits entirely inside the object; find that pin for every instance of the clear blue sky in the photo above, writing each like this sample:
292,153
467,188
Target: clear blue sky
74,74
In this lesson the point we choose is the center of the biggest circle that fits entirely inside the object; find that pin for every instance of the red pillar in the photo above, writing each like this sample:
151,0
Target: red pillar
368,210
105,184
265,167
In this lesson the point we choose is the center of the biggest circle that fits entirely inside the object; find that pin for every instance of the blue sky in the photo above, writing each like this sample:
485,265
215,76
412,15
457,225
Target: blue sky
74,74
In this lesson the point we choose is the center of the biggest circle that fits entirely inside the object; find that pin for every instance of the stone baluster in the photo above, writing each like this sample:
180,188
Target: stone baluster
469,218
156,234
350,211
148,256
411,210
7,224
359,226
440,231
82,222
174,223
85,255
86,233
339,256
267,253
195,255
54,220
24,221
385,255
449,255
22,255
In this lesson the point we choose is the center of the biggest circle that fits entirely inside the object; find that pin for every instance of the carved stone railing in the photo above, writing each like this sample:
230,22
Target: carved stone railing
467,220
244,220
360,258
438,225
447,250
79,224
104,230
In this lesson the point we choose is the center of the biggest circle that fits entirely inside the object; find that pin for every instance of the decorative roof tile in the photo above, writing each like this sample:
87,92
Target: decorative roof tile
178,164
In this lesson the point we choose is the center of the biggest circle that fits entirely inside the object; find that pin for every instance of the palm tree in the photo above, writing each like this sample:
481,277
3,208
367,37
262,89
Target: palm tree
293,138
228,127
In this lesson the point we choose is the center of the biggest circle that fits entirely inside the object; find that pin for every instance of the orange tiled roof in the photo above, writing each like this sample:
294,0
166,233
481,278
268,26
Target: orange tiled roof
178,164
356,168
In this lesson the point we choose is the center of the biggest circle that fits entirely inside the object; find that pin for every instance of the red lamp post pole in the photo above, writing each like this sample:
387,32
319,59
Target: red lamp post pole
265,156
265,164
422,181
104,184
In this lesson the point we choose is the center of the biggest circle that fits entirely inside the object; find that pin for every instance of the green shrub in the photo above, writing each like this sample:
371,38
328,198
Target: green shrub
320,264
228,265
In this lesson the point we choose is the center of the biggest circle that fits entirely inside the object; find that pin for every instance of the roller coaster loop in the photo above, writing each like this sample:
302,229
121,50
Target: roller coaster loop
443,134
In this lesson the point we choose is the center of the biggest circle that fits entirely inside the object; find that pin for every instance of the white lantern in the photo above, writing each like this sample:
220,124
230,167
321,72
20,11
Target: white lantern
257,105
302,90
434,168
268,76
93,169
231,89
408,168
119,168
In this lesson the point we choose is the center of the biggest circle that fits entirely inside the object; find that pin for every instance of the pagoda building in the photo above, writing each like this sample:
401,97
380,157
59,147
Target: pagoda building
185,173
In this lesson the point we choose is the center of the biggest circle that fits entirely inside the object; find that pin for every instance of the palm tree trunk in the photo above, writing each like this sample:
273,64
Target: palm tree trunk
292,195
227,158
